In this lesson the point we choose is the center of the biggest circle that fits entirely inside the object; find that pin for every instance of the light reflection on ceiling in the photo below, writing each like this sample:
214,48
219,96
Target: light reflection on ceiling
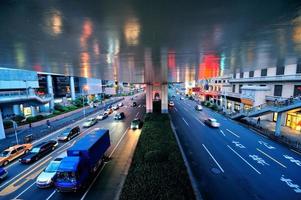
149,41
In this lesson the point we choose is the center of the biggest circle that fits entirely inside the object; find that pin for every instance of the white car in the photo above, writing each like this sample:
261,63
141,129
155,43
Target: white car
198,107
45,179
115,107
181,98
90,122
102,116
212,122
120,104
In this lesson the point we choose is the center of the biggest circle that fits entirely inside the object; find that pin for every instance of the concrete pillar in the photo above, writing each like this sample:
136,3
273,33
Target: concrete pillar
50,91
149,98
72,88
164,98
2,132
241,107
278,124
232,106
33,111
17,109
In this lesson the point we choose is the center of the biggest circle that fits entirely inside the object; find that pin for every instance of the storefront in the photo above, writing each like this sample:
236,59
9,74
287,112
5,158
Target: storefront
293,120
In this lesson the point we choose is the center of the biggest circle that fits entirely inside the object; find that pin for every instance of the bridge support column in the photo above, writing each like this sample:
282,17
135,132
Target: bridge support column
50,91
2,132
164,98
72,88
149,98
278,124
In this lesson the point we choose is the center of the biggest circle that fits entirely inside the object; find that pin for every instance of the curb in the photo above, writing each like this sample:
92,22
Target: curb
197,194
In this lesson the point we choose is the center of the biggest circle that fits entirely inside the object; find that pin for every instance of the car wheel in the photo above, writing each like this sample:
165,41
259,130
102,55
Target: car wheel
36,159
53,148
68,138
6,163
26,151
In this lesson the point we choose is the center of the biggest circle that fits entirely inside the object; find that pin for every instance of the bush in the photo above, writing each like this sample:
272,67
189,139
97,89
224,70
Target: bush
56,112
157,170
7,124
155,156
60,107
32,119
18,118
72,107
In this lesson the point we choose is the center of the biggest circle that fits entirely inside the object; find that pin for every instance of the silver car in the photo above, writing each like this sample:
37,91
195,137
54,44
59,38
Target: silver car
45,179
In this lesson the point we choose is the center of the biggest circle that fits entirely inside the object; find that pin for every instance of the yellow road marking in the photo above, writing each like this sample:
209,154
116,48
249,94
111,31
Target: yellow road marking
28,176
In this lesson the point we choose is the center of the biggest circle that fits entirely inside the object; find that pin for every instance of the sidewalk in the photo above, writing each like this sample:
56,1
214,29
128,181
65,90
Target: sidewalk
285,131
40,129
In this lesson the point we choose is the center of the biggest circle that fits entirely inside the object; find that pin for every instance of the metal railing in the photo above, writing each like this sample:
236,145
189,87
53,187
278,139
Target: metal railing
294,77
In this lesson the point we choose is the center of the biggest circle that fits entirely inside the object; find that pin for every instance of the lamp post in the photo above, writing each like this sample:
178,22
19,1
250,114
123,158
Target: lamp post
85,88
15,129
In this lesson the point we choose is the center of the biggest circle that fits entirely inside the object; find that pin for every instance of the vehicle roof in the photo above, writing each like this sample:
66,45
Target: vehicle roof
13,147
88,140
212,119
69,164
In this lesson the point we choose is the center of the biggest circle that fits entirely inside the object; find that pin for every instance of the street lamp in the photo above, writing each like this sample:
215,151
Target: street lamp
85,88
15,125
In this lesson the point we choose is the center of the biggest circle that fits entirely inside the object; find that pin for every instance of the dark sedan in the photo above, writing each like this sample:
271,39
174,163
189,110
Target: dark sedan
39,151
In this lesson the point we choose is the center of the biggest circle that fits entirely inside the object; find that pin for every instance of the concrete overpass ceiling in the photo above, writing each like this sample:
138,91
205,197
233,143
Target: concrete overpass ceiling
149,41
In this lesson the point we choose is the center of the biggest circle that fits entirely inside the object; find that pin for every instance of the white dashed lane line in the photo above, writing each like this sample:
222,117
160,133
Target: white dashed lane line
233,133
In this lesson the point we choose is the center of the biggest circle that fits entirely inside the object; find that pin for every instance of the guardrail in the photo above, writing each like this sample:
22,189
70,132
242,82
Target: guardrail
278,78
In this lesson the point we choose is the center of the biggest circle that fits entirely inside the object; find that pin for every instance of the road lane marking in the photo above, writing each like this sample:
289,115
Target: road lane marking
200,121
222,132
244,159
49,197
296,151
119,142
290,183
32,166
176,109
293,160
14,186
266,144
233,133
24,190
85,194
185,109
270,157
213,158
185,121
137,114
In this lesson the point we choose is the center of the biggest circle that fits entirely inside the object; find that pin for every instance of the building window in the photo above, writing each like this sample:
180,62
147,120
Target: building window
264,72
278,90
262,85
240,89
297,90
251,73
241,75
233,88
298,71
280,70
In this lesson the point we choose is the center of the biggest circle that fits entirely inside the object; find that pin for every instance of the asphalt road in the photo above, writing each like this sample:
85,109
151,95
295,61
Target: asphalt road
20,183
233,162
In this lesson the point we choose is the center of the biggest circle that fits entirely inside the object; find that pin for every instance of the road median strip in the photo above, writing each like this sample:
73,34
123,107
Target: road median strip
157,170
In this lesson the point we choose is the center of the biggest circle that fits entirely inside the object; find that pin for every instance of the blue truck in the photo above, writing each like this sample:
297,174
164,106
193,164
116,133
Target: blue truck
82,161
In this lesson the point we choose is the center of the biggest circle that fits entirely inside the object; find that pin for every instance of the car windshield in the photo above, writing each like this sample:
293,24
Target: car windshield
213,120
52,167
5,153
66,132
35,150
66,176
90,120
136,121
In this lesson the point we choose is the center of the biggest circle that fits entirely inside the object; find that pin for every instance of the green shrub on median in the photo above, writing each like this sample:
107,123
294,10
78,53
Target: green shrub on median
157,170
